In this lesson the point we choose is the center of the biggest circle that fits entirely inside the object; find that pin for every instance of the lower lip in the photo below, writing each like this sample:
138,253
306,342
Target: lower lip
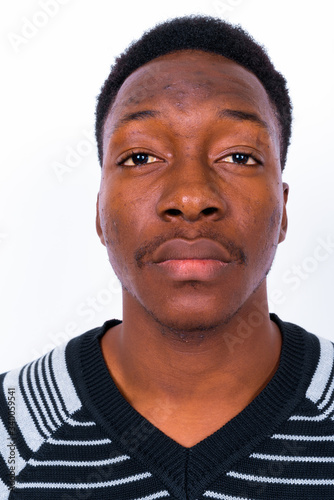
192,269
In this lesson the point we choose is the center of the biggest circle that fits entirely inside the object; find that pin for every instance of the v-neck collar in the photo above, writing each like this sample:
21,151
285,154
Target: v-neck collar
189,470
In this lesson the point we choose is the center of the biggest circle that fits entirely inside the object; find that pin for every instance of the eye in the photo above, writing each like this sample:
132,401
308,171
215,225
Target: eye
241,159
138,159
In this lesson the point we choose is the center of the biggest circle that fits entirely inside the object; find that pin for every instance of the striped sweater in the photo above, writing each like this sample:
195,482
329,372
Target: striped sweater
66,433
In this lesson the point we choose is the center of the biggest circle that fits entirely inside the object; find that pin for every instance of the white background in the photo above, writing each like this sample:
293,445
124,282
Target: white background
55,279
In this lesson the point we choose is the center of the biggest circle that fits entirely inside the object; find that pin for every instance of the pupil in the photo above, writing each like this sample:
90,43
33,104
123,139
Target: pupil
240,158
139,158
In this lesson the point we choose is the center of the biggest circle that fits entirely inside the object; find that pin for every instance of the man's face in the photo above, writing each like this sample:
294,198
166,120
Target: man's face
191,205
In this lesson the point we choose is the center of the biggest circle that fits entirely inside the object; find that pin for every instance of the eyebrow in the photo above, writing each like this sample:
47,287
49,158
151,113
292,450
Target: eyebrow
242,116
221,114
139,115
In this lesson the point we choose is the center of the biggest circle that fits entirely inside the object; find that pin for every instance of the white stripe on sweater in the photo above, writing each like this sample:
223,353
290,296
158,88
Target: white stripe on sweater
159,494
317,418
301,418
52,387
284,458
84,486
281,480
79,463
329,410
45,393
220,496
64,380
37,394
24,421
323,371
5,439
31,401
78,443
328,397
76,423
293,437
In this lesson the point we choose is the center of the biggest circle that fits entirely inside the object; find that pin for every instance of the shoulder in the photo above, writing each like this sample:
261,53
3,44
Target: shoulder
321,388
44,394
319,368
42,409
41,396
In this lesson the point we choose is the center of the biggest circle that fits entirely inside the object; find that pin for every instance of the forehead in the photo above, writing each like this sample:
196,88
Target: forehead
184,80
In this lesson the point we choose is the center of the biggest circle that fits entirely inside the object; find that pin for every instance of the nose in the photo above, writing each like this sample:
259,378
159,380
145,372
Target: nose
191,193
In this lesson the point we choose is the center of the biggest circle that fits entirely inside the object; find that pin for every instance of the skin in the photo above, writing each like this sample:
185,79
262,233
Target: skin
189,355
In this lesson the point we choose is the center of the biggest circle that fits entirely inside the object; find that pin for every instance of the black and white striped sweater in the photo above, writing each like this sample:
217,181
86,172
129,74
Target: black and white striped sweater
77,438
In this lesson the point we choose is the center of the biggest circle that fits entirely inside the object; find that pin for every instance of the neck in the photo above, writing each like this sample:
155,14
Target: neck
151,362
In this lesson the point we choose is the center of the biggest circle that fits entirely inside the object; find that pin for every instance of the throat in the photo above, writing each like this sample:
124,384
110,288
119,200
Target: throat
188,426
191,389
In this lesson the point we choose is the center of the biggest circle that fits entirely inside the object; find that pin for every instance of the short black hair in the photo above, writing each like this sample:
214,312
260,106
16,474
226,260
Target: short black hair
207,34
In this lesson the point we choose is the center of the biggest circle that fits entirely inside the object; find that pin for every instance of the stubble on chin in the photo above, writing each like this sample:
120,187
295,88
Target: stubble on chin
192,330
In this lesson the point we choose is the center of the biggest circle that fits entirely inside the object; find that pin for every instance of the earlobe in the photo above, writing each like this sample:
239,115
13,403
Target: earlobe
98,222
284,222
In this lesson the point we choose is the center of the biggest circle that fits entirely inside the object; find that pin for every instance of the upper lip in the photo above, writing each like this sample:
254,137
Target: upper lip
181,249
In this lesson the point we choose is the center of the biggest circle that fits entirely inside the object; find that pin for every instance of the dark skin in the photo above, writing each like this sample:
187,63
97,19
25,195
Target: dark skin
199,164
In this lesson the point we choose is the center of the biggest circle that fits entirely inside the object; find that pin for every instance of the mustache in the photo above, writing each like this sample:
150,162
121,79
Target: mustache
149,246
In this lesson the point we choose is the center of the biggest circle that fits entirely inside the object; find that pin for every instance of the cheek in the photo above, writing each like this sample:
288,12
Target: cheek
122,223
270,221
133,210
260,218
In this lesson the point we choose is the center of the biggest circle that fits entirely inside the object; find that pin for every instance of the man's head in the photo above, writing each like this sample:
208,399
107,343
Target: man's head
191,206
206,34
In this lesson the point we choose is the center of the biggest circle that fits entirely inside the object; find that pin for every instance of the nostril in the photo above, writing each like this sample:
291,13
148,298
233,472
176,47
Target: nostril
173,211
209,210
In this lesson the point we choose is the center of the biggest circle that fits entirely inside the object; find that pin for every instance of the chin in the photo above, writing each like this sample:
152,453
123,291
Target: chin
191,323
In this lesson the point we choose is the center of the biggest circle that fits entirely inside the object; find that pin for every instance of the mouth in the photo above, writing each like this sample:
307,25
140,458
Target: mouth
192,269
196,260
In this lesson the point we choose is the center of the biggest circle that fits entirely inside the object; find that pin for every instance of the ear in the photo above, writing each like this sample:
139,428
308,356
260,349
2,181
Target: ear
98,222
284,223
